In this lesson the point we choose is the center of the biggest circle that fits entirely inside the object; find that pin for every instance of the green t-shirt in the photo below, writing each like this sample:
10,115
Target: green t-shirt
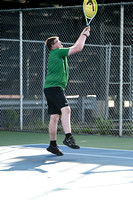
57,69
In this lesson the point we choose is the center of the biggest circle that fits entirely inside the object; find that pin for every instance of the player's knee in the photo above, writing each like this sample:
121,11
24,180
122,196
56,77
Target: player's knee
69,110
66,110
54,118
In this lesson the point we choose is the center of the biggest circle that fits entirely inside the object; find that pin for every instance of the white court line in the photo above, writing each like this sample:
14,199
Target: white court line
81,147
99,148
100,156
25,145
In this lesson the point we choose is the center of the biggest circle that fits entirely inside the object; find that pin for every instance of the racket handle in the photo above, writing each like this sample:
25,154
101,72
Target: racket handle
87,23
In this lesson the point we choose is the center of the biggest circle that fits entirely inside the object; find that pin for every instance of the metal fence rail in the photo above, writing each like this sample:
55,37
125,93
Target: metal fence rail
100,85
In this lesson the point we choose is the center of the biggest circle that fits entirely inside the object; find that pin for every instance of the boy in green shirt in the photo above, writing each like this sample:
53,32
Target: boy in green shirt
58,70
55,84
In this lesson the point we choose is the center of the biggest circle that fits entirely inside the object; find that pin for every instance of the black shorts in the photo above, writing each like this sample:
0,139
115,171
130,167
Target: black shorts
56,99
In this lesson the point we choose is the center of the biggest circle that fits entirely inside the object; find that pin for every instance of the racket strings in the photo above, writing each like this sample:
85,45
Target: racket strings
91,3
90,8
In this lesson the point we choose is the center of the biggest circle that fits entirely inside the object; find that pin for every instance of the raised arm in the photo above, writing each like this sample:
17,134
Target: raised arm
79,44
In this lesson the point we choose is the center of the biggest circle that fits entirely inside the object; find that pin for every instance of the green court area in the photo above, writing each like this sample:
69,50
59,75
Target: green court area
96,141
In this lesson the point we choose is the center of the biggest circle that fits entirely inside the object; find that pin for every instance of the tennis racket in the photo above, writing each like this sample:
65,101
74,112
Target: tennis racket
90,8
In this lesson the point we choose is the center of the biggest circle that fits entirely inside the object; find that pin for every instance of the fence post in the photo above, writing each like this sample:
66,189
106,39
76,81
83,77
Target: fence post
21,70
43,98
121,68
108,64
131,94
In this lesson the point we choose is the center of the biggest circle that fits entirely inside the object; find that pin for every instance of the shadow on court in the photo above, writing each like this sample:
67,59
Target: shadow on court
82,156
41,174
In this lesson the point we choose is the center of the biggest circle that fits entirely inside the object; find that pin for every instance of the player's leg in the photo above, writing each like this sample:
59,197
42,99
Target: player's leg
65,119
66,124
53,111
53,124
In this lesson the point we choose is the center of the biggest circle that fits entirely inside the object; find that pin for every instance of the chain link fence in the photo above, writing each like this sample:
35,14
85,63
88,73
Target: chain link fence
100,87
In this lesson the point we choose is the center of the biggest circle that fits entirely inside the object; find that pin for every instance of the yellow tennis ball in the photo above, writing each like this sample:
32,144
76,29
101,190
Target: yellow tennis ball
90,8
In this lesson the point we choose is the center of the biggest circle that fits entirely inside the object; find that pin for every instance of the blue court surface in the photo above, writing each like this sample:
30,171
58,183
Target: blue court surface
29,172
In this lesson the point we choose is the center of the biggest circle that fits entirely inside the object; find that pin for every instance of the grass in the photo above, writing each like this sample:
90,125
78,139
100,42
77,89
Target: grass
110,142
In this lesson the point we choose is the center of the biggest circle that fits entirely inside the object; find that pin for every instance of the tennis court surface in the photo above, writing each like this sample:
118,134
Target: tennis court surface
29,172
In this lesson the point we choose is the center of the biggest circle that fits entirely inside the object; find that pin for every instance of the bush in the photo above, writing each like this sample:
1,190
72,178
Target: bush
104,126
11,118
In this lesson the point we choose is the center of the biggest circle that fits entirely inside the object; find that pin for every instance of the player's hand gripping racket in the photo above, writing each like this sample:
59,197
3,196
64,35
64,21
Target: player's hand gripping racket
90,8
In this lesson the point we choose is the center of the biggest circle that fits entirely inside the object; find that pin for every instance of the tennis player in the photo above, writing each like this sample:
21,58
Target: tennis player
55,84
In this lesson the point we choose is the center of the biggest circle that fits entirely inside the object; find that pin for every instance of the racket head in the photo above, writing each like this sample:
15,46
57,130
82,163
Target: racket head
90,8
